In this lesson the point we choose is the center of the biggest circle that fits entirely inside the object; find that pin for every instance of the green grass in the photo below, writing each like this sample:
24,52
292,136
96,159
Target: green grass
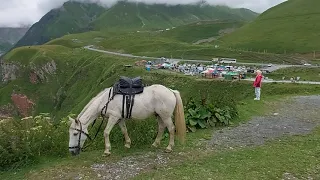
290,27
63,92
195,162
295,155
169,43
193,32
305,73
123,16
140,16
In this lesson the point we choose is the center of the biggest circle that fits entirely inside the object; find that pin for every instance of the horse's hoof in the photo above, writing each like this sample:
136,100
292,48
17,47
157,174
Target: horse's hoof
106,154
155,145
168,150
127,146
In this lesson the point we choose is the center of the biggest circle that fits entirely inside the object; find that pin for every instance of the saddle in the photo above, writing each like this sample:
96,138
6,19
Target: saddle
128,88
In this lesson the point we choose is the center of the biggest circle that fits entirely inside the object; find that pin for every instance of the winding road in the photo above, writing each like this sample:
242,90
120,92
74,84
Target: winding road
285,81
272,68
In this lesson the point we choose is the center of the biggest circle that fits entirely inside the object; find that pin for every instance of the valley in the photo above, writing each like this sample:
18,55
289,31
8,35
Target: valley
9,37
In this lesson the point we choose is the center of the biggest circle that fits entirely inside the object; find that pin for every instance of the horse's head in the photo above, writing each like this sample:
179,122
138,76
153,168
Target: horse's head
77,136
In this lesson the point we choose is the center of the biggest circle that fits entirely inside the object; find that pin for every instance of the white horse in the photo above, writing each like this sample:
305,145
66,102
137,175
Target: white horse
155,100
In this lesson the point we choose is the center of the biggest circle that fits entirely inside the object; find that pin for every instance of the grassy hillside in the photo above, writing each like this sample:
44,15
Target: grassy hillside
192,33
72,17
141,16
75,17
178,43
289,27
10,36
81,74
305,73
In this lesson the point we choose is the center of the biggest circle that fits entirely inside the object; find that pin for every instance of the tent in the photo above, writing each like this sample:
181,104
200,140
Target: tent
229,75
208,71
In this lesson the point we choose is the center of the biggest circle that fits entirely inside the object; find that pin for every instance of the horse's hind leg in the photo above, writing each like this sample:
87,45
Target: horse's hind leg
123,127
111,122
161,127
168,122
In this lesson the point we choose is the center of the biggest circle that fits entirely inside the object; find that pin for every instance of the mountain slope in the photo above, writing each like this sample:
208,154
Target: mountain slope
72,17
203,30
292,26
62,80
10,36
123,16
160,16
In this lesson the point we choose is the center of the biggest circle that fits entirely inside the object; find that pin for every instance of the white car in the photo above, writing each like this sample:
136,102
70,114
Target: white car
269,65
307,64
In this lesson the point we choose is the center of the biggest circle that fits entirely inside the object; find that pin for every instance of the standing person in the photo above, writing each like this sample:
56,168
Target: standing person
257,84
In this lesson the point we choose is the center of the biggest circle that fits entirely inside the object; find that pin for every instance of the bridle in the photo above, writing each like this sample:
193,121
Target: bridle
80,133
78,147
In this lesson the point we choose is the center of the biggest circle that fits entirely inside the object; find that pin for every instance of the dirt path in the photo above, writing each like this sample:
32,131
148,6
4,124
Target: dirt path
297,116
300,116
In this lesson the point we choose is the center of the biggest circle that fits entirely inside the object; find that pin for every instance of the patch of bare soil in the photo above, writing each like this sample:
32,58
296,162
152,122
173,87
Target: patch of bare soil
131,166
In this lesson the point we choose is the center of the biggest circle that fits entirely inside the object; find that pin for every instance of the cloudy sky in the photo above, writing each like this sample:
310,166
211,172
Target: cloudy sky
15,13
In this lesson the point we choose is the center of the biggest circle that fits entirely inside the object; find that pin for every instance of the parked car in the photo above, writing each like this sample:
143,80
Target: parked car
250,71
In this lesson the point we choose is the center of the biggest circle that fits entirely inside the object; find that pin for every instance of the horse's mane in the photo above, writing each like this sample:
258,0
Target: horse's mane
91,101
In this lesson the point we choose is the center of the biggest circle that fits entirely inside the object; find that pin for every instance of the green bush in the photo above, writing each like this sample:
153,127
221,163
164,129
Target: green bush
22,141
200,114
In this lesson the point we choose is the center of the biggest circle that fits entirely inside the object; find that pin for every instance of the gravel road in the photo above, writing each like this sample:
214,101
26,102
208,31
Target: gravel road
300,116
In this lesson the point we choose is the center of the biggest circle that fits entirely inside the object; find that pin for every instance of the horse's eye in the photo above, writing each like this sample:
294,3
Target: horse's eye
75,134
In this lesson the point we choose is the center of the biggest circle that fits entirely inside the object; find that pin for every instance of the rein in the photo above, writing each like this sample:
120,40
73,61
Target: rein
88,136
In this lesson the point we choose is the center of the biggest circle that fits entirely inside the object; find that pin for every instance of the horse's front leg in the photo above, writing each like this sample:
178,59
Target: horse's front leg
124,130
111,122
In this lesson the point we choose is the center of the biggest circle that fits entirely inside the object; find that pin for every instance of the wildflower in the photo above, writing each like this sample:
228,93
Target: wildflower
26,118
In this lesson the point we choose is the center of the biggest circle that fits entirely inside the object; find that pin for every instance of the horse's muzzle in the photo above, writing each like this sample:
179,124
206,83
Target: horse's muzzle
74,152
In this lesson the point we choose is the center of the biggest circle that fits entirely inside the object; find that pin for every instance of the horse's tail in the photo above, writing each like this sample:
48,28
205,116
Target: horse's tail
180,122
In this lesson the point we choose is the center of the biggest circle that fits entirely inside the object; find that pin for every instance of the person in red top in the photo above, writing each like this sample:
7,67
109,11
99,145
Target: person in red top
257,84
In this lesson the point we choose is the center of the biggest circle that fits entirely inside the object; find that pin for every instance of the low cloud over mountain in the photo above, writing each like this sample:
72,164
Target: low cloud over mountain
16,13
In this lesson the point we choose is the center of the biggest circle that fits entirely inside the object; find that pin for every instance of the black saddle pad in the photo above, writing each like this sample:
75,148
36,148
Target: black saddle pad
128,86
126,82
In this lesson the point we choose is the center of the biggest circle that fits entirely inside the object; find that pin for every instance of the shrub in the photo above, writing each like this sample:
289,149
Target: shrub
22,141
200,114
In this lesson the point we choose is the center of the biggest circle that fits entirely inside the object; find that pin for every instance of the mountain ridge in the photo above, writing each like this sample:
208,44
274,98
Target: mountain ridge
290,27
123,16
61,21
